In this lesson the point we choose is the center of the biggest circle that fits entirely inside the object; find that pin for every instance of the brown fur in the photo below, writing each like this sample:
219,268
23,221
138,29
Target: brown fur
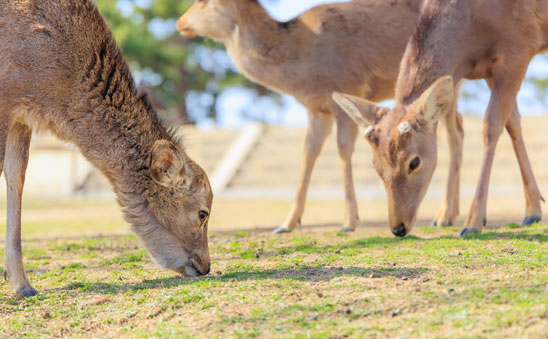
61,71
352,47
491,39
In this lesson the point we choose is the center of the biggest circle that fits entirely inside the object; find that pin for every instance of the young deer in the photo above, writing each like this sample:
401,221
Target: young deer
492,40
354,47
60,71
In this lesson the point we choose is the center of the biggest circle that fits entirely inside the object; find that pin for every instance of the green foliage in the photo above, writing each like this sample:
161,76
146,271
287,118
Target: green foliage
165,62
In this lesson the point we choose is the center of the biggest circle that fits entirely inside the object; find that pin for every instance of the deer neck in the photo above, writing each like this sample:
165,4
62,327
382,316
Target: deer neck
438,47
121,155
115,129
122,142
258,41
414,79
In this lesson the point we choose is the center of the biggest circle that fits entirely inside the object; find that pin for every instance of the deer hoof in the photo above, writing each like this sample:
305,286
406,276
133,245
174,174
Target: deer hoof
348,229
528,221
281,230
467,231
26,291
446,223
442,223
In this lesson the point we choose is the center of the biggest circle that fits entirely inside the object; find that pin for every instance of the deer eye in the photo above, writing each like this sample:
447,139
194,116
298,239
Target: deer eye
203,215
414,164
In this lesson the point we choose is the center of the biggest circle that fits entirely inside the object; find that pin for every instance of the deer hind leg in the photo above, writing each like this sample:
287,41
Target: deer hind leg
319,127
449,210
15,165
533,211
505,86
347,132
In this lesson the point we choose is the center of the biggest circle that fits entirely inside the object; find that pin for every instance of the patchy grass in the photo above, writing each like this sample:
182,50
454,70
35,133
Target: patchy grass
313,283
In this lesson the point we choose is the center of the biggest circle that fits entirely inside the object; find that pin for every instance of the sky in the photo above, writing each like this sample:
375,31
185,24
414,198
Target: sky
284,10
237,106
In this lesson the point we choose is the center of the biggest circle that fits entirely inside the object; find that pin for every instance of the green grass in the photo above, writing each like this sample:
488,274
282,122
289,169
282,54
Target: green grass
317,285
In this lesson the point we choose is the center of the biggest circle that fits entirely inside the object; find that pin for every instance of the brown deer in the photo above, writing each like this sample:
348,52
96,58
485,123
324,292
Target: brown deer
61,71
490,39
354,47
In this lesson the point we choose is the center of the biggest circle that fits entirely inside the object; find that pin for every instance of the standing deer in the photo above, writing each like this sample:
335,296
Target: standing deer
60,71
354,47
490,39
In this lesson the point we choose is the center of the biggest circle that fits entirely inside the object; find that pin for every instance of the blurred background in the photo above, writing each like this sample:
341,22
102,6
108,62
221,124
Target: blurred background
250,140
196,82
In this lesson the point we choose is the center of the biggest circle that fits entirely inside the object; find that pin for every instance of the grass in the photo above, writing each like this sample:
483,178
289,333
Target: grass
315,282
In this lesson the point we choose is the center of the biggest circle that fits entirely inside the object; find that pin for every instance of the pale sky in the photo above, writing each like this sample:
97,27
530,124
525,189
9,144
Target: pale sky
284,10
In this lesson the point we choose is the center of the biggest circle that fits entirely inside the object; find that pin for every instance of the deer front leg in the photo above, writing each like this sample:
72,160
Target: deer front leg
15,165
533,211
319,127
449,210
505,87
347,132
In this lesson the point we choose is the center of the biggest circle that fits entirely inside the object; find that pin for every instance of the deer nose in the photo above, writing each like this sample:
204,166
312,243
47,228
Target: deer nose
399,231
180,24
184,29
200,269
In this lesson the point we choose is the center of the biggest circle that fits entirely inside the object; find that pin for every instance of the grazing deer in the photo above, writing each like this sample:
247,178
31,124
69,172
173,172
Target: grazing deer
354,47
60,71
490,39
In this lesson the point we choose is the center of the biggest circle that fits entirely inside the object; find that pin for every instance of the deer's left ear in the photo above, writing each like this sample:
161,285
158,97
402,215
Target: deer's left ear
436,100
166,163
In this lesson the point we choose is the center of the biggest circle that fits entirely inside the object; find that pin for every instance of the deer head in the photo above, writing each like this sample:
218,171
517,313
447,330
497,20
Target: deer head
179,200
209,18
404,146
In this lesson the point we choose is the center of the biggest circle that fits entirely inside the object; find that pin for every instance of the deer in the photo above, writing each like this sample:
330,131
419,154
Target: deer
61,71
352,47
454,40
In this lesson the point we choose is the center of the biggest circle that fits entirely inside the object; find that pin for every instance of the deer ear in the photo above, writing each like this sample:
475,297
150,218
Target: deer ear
166,163
436,100
363,112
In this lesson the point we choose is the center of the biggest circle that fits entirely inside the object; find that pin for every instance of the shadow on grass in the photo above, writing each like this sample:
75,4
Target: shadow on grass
304,273
540,237
388,242
370,242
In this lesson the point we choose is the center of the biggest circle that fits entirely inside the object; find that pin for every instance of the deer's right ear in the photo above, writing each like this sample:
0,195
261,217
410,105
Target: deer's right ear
436,100
362,111
166,163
